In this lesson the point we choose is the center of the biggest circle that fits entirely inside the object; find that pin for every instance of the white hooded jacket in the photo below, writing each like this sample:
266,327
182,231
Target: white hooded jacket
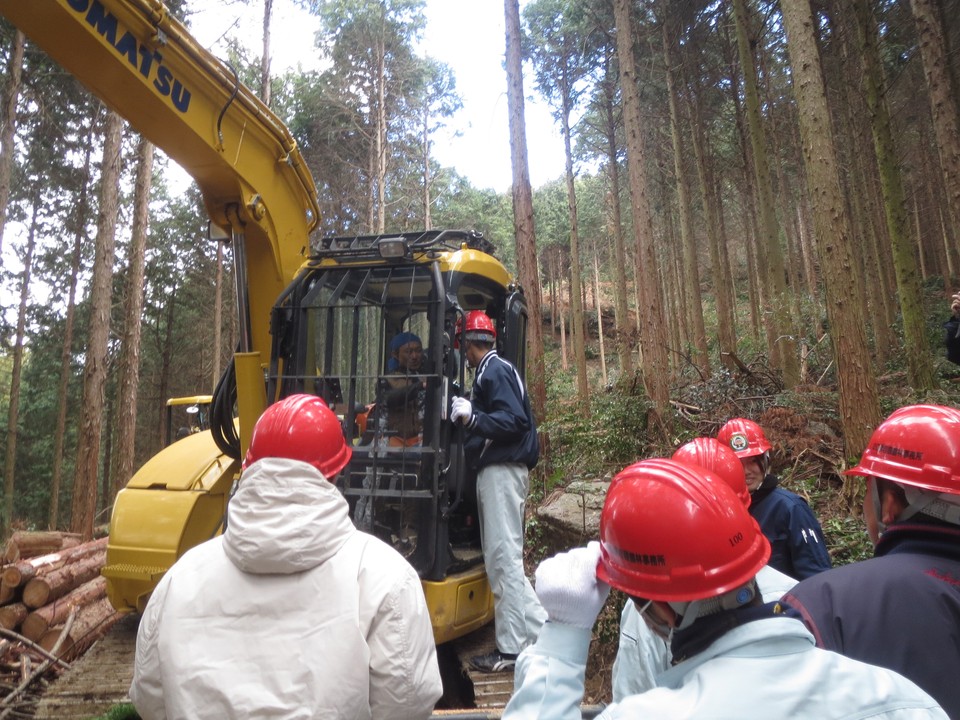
292,613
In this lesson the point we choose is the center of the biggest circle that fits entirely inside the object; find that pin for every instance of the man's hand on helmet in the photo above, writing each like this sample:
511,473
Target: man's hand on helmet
569,589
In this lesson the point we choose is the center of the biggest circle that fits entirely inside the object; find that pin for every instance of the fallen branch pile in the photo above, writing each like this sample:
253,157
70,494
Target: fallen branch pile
53,607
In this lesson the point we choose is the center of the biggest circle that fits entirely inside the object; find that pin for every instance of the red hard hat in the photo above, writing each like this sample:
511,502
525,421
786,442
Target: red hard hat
713,455
675,532
479,322
300,427
744,437
917,445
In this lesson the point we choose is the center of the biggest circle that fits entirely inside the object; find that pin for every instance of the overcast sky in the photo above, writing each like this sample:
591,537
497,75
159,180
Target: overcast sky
468,35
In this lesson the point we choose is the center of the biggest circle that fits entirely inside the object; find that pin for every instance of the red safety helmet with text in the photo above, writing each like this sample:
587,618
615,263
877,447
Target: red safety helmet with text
713,455
917,445
744,437
300,427
675,532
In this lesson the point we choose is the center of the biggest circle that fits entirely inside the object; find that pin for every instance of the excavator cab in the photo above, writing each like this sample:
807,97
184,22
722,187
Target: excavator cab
189,415
333,332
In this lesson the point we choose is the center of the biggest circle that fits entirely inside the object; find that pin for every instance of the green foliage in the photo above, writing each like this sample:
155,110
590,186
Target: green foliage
119,712
612,436
846,539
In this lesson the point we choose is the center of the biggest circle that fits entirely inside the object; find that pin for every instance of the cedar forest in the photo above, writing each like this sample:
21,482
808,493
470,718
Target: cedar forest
761,205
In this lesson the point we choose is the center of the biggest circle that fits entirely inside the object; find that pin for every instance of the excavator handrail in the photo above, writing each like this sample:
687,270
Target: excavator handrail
370,246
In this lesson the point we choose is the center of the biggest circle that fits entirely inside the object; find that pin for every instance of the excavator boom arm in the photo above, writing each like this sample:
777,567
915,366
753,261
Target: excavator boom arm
146,66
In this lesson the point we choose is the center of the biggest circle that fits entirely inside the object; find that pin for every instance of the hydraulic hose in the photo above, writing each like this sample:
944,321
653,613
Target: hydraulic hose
222,426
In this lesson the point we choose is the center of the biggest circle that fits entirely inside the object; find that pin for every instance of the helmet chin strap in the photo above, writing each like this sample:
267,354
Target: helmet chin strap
877,506
765,463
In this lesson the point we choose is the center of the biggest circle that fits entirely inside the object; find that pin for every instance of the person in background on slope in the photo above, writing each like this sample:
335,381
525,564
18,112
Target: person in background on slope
952,330
502,445
292,612
796,539
901,608
678,541
643,655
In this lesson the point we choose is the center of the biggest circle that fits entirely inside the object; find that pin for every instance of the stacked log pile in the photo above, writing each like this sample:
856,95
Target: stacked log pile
53,607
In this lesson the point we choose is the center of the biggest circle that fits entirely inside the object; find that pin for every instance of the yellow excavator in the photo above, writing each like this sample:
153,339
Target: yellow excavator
315,315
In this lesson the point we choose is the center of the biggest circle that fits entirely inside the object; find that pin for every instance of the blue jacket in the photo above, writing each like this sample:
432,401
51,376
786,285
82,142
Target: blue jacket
502,428
797,546
899,610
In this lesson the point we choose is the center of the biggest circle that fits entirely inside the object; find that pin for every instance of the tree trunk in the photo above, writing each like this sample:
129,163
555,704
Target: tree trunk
576,267
596,286
95,370
859,403
13,412
78,221
128,381
653,341
523,223
719,268
166,360
943,104
265,58
11,98
23,571
91,623
47,588
425,149
24,544
38,622
381,135
616,227
692,300
770,261
909,286
13,615
564,355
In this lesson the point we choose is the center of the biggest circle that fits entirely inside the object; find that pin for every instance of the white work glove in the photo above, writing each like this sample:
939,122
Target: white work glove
569,589
462,410
955,305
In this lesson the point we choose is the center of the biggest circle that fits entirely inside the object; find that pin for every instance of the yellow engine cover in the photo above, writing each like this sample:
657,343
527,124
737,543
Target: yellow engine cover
165,510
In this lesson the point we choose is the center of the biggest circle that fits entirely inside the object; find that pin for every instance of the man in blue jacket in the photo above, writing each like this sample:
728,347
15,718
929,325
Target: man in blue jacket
900,608
502,445
796,539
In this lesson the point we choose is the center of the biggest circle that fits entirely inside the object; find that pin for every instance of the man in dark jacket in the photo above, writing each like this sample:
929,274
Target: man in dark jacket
899,609
503,447
952,328
795,535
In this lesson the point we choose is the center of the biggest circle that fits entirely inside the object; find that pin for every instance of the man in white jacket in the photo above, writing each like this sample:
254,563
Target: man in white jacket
676,539
292,612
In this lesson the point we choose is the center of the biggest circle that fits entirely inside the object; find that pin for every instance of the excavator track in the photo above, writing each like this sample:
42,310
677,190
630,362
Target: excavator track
96,681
